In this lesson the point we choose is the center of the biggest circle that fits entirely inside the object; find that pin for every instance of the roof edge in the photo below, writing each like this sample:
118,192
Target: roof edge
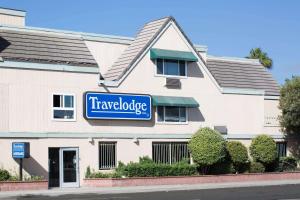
13,12
233,59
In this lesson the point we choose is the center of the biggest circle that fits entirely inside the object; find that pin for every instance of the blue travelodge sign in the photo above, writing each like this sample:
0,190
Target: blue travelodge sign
117,106
20,150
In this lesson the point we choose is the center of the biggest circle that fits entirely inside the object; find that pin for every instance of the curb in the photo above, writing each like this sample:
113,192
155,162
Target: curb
144,189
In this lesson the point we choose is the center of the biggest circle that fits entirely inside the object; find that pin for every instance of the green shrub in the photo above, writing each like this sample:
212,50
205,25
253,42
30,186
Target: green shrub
145,160
88,172
263,149
207,147
287,164
224,167
256,167
238,155
105,175
4,175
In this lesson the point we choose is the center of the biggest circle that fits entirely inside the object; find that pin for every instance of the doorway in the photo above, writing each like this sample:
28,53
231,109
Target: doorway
63,167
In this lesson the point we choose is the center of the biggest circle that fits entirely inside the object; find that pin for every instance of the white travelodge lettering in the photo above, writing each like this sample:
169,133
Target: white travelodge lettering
112,106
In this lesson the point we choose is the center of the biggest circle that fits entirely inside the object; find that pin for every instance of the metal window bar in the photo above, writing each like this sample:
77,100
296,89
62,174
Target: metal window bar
169,153
107,155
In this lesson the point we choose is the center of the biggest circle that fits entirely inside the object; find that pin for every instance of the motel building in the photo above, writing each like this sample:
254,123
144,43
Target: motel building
70,100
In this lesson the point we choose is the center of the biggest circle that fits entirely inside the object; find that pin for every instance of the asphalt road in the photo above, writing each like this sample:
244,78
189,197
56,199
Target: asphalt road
284,192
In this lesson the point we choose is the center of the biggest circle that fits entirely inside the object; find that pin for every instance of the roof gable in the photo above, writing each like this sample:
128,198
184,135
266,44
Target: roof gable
144,38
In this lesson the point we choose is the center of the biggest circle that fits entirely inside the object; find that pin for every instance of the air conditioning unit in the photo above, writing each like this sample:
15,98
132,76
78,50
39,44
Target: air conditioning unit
173,82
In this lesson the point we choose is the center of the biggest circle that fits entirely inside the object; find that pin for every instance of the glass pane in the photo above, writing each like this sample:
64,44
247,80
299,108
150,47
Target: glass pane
63,114
69,166
171,67
159,65
182,71
182,117
57,101
171,114
69,101
107,155
161,153
160,113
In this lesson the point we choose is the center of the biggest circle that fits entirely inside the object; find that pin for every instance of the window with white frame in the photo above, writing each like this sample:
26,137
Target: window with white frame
170,152
171,67
171,114
107,155
63,107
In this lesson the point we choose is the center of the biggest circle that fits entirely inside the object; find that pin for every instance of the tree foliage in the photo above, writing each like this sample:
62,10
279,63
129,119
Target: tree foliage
263,149
207,147
238,154
289,103
263,57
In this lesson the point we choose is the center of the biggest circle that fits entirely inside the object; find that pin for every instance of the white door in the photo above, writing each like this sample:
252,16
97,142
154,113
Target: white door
69,165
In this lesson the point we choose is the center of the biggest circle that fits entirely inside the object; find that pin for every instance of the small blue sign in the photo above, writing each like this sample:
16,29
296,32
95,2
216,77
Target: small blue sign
117,106
20,149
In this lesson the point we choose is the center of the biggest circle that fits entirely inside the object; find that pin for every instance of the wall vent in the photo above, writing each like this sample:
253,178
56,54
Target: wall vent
173,82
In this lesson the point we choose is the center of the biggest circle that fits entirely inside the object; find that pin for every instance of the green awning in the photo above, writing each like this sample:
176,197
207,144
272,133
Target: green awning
174,55
174,101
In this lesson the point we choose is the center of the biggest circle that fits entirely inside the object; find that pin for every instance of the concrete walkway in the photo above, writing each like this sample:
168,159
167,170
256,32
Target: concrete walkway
139,189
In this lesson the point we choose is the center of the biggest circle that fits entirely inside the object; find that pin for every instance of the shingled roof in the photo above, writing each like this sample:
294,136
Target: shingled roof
135,49
22,45
242,74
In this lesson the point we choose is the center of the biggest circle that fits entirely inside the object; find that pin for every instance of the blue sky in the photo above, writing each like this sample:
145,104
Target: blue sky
228,28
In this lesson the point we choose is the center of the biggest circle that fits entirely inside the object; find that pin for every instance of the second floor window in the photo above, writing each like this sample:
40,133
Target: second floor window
171,67
63,107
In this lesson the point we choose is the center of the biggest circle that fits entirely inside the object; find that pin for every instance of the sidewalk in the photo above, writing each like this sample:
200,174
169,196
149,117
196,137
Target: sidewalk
139,189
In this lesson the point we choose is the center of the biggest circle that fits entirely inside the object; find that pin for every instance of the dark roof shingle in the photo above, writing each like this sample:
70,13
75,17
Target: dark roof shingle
45,48
242,74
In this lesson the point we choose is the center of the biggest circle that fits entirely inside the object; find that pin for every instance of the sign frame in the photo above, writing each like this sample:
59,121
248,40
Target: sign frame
112,118
26,150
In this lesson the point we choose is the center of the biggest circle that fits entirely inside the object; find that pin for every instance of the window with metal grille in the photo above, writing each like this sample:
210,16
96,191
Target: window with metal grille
107,155
281,149
169,152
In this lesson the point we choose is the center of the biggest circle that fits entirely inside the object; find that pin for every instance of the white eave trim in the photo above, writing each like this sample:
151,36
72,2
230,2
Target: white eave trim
272,97
49,67
242,91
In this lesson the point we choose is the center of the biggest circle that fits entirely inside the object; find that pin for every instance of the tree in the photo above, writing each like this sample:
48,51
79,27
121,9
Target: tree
238,154
263,149
263,57
289,103
207,147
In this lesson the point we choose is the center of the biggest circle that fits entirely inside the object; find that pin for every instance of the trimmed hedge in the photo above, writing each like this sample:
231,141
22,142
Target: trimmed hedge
153,169
238,154
263,149
207,147
256,167
4,175
146,168
287,164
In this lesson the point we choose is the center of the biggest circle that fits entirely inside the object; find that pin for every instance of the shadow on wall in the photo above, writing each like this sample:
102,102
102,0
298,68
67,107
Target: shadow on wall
33,168
195,115
194,70
125,123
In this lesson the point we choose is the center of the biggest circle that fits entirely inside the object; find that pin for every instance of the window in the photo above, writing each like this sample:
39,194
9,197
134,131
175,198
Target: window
171,114
169,152
107,155
171,67
63,107
281,149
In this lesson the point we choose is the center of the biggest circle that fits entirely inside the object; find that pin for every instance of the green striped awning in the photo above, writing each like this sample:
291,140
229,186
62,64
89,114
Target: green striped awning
172,55
174,101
